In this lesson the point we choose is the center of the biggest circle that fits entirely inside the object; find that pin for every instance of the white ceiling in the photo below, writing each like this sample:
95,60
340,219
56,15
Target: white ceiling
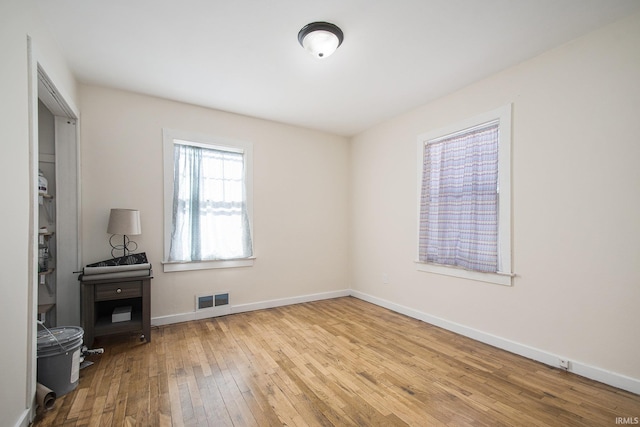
243,56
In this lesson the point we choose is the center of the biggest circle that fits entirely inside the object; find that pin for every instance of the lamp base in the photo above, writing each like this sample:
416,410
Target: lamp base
126,247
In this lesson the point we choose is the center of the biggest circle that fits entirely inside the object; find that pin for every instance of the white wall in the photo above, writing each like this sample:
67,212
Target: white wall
576,205
17,20
300,198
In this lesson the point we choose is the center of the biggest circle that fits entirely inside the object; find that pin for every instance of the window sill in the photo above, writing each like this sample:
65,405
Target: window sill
503,279
169,267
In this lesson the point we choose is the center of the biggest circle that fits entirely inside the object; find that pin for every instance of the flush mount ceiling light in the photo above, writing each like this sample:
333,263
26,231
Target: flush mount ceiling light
320,39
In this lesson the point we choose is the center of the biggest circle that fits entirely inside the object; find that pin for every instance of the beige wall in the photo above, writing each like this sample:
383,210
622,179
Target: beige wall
576,205
17,21
300,197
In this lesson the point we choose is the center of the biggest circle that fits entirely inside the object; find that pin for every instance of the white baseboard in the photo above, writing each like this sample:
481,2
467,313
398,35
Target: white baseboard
173,318
241,308
289,301
607,377
24,420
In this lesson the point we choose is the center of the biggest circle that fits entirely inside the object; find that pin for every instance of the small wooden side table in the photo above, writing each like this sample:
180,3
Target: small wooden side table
101,297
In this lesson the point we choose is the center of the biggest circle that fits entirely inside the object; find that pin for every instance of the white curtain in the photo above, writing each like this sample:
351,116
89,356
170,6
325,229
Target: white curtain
459,203
210,220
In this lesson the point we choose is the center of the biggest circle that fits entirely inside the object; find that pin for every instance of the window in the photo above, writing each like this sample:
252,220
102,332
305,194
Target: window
464,210
207,212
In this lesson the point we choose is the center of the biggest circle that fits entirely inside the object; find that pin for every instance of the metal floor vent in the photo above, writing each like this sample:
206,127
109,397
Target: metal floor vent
213,305
204,301
221,299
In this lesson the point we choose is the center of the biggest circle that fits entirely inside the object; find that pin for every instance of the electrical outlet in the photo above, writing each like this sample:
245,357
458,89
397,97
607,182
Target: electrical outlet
385,278
564,364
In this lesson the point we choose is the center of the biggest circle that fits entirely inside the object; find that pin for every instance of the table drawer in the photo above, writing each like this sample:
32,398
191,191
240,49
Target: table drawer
111,291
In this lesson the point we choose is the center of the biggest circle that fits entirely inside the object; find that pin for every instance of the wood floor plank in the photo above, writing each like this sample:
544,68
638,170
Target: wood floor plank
97,410
340,362
78,403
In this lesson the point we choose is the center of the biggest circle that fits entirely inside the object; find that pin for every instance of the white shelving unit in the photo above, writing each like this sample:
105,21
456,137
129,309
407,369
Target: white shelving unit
47,237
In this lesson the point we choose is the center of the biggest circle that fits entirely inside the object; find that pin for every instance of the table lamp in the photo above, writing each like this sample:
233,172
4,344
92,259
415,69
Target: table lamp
124,222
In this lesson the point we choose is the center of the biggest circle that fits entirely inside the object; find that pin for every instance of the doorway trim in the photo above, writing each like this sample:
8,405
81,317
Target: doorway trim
42,86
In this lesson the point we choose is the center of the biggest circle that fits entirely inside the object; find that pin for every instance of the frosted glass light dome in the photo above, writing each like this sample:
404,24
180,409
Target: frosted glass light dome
320,39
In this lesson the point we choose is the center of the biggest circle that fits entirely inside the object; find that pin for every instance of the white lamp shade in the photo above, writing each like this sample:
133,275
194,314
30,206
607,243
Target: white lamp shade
124,221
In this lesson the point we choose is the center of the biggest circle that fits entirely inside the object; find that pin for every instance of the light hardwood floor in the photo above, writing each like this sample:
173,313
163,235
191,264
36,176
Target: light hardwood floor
337,362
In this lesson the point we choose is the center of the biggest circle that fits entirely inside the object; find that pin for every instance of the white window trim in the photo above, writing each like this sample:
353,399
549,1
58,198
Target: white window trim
171,137
504,275
169,267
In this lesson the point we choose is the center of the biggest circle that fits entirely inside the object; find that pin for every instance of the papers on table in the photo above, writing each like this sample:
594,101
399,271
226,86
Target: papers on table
135,265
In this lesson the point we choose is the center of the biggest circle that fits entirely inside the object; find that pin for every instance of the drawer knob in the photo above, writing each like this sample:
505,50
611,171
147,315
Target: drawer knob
118,290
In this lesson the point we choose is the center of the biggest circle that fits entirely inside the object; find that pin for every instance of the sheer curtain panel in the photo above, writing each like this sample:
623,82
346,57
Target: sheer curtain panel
210,220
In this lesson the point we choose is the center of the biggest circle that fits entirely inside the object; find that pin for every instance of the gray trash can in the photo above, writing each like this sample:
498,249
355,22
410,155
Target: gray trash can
59,358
